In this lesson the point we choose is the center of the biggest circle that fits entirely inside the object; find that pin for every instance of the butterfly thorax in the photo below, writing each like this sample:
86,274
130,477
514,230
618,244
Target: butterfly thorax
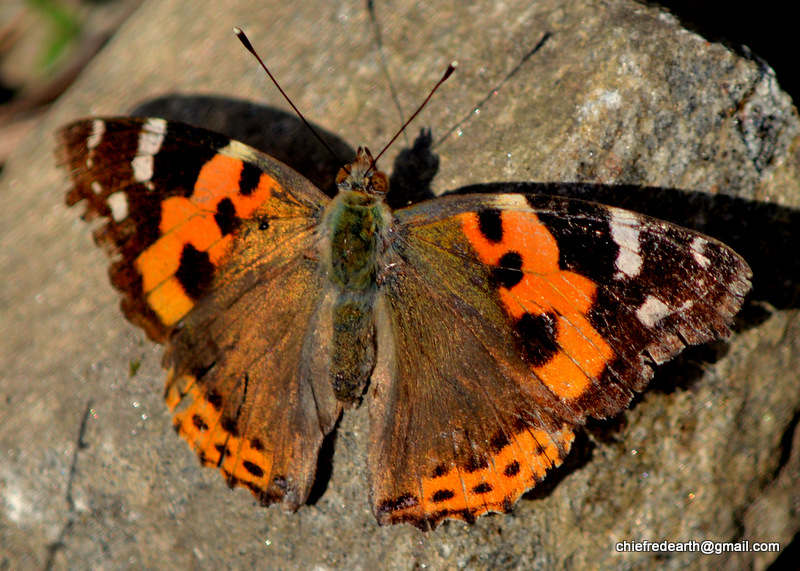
358,221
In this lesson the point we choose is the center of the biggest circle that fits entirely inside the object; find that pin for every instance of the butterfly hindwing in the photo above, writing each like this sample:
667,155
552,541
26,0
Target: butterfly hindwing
214,248
513,318
260,398
454,430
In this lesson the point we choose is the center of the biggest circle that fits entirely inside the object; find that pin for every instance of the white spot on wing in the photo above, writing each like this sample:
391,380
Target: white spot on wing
239,150
150,140
97,188
698,247
652,311
98,130
512,202
142,168
118,202
152,136
625,232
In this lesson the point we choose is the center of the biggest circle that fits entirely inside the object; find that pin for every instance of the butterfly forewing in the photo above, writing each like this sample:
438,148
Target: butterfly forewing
171,197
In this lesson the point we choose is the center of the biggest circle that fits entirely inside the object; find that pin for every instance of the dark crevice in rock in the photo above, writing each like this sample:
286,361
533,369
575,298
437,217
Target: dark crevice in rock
765,28
787,442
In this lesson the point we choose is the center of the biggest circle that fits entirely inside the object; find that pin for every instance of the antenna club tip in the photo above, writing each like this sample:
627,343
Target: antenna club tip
243,38
451,67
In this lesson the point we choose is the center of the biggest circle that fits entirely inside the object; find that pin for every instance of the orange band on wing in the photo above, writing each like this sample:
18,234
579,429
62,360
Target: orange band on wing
544,288
522,233
219,179
192,221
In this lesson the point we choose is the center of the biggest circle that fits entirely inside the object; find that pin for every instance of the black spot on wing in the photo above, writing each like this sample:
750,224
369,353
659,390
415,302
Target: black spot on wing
498,442
537,337
200,370
585,243
226,217
482,488
214,399
254,469
508,272
512,469
199,423
229,426
475,463
249,178
195,272
442,496
440,470
490,224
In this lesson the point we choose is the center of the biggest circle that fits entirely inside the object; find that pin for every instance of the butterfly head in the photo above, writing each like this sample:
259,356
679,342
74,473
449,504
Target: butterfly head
362,176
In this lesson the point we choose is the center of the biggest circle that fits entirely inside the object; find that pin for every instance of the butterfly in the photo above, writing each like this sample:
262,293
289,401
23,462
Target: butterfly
480,330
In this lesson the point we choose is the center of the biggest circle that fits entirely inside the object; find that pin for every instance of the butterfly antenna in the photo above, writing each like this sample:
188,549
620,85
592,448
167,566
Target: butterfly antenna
447,73
496,89
246,43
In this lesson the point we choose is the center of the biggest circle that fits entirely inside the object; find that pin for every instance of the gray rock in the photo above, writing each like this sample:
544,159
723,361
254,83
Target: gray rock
91,474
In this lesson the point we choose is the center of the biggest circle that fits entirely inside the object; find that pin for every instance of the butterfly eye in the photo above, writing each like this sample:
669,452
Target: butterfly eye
263,224
379,183
342,175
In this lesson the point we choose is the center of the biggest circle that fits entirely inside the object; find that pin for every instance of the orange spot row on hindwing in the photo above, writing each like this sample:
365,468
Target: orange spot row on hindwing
201,424
513,470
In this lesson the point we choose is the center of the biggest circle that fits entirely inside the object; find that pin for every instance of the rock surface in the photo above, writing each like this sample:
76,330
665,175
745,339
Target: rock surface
618,94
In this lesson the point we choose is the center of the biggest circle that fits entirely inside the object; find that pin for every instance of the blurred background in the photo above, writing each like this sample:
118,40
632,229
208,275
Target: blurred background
44,45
